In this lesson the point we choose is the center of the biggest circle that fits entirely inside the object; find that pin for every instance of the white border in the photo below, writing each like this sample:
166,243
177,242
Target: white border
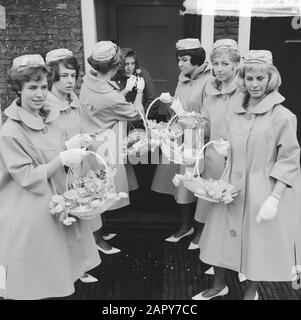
89,28
244,34
207,33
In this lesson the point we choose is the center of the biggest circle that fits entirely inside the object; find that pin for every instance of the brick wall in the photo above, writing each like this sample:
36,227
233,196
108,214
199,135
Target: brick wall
37,26
225,27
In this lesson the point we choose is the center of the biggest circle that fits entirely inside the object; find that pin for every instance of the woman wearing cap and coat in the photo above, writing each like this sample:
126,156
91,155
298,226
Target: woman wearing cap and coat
190,90
40,257
257,234
64,73
218,101
105,109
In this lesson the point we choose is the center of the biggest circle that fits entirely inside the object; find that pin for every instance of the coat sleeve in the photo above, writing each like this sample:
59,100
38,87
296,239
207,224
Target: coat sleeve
288,152
123,110
21,166
149,93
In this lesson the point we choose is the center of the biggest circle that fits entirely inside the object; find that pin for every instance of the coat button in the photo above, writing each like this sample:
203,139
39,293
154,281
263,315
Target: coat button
233,233
238,174
248,116
67,111
59,190
45,130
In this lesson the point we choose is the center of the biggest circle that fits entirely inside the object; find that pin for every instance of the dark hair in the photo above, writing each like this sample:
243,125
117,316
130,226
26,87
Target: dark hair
197,56
105,66
16,79
69,63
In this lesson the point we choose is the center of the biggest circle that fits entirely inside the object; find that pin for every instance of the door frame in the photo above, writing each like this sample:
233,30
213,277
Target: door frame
89,25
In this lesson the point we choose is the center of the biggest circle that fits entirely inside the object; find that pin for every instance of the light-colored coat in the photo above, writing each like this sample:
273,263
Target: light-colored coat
191,94
70,121
104,107
217,104
42,257
264,149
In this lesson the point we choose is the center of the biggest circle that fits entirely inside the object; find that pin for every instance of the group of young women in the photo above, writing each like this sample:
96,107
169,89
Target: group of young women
49,129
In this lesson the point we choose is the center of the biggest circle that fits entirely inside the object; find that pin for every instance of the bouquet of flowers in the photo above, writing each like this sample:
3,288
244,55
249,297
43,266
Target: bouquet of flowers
208,189
86,197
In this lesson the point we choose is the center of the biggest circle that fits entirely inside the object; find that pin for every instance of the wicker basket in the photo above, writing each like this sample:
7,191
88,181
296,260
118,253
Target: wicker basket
177,152
86,197
208,189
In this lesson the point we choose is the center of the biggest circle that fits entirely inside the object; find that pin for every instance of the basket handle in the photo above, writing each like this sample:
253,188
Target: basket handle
226,173
108,146
108,175
149,107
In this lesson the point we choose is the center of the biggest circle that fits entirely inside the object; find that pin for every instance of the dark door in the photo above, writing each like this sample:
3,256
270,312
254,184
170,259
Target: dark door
282,36
151,28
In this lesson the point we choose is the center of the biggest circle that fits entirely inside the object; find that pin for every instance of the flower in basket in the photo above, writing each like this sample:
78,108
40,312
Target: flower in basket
165,97
68,221
177,179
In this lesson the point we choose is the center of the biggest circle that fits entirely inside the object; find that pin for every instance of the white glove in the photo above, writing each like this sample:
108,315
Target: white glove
221,146
268,209
130,83
79,141
72,157
177,107
140,84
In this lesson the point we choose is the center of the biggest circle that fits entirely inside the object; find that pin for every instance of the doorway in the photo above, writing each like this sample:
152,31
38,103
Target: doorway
151,28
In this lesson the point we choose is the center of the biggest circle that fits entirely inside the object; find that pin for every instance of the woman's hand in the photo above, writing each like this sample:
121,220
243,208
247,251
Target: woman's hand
79,141
72,157
177,107
222,147
140,84
268,210
130,83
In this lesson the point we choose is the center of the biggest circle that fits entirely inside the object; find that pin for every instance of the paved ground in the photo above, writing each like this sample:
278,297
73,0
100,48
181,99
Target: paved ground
148,268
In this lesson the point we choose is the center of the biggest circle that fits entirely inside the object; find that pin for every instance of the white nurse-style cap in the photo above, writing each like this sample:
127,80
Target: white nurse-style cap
104,51
188,43
58,54
258,56
225,44
28,60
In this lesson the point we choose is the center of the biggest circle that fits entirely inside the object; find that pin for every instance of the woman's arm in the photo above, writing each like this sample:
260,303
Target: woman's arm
53,166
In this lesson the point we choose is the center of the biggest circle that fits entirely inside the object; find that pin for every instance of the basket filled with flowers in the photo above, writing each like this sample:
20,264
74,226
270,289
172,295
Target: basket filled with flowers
211,190
86,197
183,151
139,141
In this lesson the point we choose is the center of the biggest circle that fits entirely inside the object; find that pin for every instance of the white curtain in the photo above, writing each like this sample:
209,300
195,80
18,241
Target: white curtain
247,8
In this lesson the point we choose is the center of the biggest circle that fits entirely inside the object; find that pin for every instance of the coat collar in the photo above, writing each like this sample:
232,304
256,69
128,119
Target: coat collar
99,85
263,106
212,87
20,114
63,105
203,69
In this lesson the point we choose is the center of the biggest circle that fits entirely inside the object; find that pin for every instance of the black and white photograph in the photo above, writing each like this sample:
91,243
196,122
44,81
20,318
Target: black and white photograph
150,151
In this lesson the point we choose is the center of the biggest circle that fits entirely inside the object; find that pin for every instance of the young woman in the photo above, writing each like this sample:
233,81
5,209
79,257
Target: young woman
190,90
40,257
257,234
129,67
105,108
219,94
64,73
